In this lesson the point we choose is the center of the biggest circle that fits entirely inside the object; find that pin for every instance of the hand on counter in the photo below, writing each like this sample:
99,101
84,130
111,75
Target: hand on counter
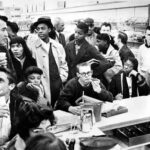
119,96
76,110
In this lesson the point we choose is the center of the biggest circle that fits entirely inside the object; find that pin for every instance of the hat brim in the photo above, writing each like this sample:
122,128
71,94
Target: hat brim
43,22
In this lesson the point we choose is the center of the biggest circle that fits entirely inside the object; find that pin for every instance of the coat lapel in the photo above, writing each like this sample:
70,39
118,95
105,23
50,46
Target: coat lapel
81,52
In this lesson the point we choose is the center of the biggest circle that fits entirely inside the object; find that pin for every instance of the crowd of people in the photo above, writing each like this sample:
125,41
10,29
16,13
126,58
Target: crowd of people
43,72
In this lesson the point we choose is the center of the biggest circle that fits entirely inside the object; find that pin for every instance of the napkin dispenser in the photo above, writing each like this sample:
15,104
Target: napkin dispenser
86,101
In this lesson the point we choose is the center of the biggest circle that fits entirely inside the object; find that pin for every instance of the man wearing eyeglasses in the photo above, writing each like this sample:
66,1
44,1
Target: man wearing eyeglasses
83,83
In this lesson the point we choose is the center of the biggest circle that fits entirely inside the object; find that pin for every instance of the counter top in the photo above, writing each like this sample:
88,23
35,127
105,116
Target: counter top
138,112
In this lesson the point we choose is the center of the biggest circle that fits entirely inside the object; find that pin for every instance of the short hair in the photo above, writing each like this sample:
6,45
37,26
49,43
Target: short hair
84,64
46,141
4,18
134,62
107,24
83,27
147,28
11,76
89,21
123,36
30,115
32,69
14,26
56,21
104,37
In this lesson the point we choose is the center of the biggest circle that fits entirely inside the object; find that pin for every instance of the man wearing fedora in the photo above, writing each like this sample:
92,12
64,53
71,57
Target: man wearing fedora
50,57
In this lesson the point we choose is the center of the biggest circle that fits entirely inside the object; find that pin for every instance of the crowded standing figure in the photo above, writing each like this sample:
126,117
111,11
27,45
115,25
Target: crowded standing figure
5,58
106,28
83,83
129,82
144,53
21,57
50,57
79,50
106,49
121,39
91,35
59,26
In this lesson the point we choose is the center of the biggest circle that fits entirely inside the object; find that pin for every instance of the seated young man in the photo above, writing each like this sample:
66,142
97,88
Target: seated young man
128,83
83,83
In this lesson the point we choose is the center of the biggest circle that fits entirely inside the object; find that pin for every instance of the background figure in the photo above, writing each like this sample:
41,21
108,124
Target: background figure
12,29
80,50
45,142
51,58
91,35
59,28
5,58
144,54
106,28
121,40
31,119
32,86
21,57
106,49
128,83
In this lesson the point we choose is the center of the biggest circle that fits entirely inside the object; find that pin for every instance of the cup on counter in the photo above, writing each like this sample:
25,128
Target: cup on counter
3,59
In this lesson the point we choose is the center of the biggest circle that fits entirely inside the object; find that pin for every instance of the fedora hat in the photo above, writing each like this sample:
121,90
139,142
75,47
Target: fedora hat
46,20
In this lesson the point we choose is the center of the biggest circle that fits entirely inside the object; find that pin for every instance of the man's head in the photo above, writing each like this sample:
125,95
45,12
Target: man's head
12,29
103,42
43,27
105,28
120,38
58,24
130,64
7,81
33,75
84,73
90,23
80,32
3,33
147,35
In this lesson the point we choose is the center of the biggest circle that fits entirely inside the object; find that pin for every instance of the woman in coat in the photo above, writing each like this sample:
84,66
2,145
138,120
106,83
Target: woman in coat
21,57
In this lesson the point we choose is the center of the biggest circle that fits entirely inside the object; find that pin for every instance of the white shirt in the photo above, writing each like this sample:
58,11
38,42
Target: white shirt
129,82
45,45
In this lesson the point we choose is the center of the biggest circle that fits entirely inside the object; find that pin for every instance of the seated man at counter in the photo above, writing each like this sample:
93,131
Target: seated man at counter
82,84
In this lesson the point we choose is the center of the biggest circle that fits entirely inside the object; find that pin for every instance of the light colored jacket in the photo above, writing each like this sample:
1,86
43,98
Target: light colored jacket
143,59
111,52
42,58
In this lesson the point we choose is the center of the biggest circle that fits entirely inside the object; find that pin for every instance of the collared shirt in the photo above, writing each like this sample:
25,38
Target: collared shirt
5,124
21,61
46,45
19,144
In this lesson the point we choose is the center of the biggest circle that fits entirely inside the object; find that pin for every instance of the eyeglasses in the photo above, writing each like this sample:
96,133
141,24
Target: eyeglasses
89,73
